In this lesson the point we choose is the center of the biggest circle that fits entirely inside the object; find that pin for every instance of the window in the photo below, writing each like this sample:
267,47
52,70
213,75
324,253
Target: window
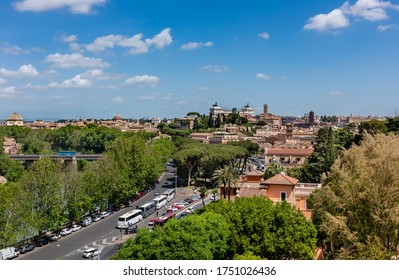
283,196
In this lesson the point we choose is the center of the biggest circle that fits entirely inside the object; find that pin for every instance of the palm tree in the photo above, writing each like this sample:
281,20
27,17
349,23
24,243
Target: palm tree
203,193
228,176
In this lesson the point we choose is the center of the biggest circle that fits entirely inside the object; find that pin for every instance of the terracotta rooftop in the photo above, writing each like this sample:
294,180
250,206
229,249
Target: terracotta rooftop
289,151
251,192
281,179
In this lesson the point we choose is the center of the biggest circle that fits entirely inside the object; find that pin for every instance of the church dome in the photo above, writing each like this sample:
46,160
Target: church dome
15,117
117,117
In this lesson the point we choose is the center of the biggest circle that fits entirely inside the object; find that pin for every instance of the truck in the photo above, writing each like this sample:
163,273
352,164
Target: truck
8,253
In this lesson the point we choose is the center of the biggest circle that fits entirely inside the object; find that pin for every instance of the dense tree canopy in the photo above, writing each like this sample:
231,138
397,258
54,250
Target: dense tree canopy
356,211
196,237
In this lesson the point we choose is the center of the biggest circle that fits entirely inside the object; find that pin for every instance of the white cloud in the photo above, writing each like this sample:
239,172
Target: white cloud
264,35
75,82
68,38
371,10
15,50
162,39
146,97
263,76
9,90
74,60
335,93
195,45
136,43
143,80
117,99
74,6
98,74
3,81
322,22
25,71
387,27
215,68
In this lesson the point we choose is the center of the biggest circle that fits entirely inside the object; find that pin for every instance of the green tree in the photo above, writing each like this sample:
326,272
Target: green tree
358,203
272,170
189,157
228,177
43,187
260,228
196,237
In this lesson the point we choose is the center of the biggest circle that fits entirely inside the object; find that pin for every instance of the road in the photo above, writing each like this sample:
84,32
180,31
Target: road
103,234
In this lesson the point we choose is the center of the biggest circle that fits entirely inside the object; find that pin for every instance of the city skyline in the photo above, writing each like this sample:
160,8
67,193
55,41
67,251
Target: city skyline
63,60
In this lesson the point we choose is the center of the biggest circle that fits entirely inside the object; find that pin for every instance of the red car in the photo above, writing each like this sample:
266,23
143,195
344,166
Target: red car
178,206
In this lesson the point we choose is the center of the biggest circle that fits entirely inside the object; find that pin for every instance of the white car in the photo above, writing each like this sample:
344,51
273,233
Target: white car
65,231
190,210
76,227
91,253
104,214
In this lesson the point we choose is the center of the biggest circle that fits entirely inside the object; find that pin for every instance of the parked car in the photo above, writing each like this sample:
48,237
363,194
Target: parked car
104,214
96,218
91,252
172,209
183,202
54,236
195,197
131,230
151,223
65,231
26,248
8,253
76,227
189,200
41,242
156,193
190,210
86,221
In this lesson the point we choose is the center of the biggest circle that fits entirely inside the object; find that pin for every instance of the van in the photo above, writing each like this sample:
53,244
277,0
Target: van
8,253
86,222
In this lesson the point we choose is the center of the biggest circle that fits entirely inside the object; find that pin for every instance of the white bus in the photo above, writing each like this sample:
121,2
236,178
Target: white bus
160,201
129,218
148,208
170,194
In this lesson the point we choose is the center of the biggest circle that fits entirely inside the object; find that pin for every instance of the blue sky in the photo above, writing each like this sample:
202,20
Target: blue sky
96,58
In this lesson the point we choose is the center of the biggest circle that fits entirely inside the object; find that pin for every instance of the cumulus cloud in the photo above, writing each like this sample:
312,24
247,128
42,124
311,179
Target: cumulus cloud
264,35
3,81
136,43
371,10
263,76
195,45
117,99
25,71
215,68
74,6
75,82
98,74
9,90
143,80
68,38
74,60
322,22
